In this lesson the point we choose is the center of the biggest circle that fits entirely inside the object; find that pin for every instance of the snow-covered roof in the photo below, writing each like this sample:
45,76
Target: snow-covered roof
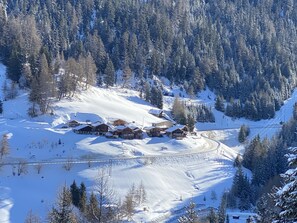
81,127
173,128
156,111
96,124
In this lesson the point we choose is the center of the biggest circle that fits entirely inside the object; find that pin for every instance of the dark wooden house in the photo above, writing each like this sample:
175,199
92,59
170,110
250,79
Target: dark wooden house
153,131
127,133
177,132
84,129
101,128
138,133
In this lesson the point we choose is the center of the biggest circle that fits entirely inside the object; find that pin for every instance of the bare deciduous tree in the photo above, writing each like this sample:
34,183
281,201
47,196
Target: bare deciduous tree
4,149
38,167
105,195
22,167
68,164
32,218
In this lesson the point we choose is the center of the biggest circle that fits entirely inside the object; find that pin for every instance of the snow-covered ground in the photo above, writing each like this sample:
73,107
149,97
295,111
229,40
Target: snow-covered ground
173,172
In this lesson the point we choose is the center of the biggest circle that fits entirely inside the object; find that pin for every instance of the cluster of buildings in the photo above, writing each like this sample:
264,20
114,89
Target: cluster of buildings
119,128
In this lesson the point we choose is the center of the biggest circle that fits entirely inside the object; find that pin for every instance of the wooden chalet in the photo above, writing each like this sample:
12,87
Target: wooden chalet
101,128
118,122
73,123
84,129
153,131
177,132
138,133
127,133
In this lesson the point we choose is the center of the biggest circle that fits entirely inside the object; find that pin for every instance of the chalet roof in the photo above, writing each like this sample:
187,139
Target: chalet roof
173,128
156,111
147,128
73,121
78,128
96,124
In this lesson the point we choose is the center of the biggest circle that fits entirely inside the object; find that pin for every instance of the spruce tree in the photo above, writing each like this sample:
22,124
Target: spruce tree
219,104
286,196
109,73
75,195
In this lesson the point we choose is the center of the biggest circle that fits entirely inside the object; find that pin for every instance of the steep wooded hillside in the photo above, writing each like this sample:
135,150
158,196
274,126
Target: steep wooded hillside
243,50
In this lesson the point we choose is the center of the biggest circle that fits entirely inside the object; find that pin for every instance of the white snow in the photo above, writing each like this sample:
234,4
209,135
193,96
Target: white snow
172,171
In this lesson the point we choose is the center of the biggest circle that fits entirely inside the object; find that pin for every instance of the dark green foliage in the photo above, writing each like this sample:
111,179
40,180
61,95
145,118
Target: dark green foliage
204,114
243,133
75,195
245,54
109,74
156,97
241,189
1,107
237,161
219,105
295,111
265,209
286,196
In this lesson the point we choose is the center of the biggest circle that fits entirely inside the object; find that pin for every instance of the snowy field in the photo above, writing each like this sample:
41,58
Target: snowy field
173,172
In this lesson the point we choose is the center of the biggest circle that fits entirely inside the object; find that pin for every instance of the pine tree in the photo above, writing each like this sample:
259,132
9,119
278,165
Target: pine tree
109,73
243,133
191,215
219,104
286,196
75,194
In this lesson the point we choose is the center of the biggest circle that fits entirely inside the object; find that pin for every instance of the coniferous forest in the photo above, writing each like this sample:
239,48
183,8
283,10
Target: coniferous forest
242,50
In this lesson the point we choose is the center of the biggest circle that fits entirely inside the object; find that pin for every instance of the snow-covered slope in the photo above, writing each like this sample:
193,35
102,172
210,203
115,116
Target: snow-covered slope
172,171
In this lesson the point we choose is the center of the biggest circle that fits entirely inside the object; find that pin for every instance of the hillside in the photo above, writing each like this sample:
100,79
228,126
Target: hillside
172,171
